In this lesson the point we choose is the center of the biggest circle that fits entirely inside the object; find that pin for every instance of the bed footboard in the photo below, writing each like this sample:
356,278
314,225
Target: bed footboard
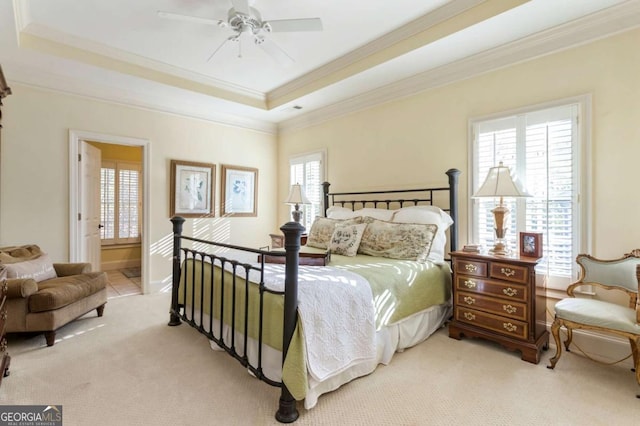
287,411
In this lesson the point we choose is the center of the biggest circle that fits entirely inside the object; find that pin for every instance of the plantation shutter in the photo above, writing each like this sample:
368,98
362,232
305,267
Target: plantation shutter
308,171
541,148
120,209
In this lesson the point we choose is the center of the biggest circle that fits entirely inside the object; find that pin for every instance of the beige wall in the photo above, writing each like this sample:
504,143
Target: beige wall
413,141
35,171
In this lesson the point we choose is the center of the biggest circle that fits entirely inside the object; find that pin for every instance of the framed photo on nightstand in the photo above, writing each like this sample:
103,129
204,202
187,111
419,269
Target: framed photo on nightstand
531,244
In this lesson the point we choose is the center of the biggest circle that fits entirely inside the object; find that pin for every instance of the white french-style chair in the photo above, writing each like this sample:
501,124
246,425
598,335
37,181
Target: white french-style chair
573,312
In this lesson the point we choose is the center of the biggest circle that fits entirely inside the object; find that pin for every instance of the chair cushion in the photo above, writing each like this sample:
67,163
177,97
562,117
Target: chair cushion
599,314
58,292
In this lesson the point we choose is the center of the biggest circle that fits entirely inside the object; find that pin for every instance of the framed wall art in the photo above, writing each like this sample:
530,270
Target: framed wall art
239,191
531,244
192,189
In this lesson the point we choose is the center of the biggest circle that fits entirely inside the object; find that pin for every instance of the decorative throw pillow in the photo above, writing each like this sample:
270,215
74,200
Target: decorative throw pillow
397,240
428,214
322,230
346,239
40,269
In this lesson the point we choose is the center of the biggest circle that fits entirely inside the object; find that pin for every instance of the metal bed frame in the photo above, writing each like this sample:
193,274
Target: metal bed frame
287,411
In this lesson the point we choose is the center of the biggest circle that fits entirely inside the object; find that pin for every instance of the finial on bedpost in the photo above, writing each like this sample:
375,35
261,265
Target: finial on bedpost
325,198
174,316
453,207
287,411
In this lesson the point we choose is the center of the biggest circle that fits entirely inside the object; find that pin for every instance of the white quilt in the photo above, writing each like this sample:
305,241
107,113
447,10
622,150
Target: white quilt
337,315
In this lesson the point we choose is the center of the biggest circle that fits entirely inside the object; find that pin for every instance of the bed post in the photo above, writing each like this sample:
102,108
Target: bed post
287,411
453,206
325,196
174,315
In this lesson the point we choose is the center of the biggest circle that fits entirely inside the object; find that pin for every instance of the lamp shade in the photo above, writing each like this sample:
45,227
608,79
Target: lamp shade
296,195
500,183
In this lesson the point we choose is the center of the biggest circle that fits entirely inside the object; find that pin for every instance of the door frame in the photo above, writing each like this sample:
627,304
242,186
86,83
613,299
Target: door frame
75,136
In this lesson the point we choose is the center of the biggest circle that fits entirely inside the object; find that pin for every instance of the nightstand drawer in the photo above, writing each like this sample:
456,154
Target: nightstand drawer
493,288
492,305
509,272
498,324
470,267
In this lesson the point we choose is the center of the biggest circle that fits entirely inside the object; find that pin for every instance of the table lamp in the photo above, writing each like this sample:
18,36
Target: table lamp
500,183
295,198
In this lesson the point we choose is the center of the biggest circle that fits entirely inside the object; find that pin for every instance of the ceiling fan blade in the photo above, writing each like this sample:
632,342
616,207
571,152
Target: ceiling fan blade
274,51
179,17
241,6
219,47
304,24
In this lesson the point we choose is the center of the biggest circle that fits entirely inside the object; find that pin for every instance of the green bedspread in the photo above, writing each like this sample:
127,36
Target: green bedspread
400,289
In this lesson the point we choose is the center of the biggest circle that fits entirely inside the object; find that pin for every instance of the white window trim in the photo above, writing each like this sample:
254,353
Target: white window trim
310,156
584,149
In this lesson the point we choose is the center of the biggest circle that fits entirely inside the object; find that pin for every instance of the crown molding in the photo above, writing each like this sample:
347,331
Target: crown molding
60,38
45,80
414,27
609,22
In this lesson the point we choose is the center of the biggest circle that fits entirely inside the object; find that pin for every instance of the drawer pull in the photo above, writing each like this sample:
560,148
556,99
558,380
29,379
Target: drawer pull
469,300
470,267
469,316
510,291
508,272
470,284
510,327
509,309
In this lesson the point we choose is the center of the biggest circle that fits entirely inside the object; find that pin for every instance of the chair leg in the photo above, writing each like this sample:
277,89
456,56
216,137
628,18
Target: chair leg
567,342
100,310
555,331
635,351
50,336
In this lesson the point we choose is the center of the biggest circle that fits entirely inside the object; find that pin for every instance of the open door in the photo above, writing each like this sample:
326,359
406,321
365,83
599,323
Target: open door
89,208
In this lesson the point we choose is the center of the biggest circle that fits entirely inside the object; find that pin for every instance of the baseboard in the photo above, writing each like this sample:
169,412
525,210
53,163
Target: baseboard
598,346
120,264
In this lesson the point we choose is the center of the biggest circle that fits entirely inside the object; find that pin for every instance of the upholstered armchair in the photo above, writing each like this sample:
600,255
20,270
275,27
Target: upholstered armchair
44,296
621,275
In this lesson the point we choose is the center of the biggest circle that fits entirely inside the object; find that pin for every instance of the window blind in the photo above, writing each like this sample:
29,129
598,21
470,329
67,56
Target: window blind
540,147
120,184
308,171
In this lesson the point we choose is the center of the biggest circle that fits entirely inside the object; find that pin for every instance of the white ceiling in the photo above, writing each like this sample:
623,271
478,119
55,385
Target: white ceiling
369,50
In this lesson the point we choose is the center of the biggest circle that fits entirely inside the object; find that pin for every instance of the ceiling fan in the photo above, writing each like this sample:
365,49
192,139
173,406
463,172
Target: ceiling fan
246,23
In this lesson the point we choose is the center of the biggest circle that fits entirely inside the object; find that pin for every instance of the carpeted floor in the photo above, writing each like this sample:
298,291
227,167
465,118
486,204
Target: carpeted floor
130,368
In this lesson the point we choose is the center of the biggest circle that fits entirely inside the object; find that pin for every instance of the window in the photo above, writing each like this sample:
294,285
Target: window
120,185
308,171
543,148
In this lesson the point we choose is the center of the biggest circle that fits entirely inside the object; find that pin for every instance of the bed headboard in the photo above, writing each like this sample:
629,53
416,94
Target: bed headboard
445,197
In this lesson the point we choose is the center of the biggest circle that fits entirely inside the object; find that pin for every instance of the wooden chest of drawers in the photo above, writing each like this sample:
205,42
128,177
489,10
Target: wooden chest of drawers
495,298
5,359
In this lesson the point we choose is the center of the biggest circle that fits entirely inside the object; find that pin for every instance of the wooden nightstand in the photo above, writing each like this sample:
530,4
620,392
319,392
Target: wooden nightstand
5,359
277,240
495,298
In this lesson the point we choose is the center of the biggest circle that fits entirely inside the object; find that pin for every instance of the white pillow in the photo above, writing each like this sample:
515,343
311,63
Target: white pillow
337,212
40,269
346,239
428,215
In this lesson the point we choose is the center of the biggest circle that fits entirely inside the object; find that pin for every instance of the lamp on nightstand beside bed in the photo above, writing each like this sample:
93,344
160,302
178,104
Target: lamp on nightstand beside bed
295,198
500,183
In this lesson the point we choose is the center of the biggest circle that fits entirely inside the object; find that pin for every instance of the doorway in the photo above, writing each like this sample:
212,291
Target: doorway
108,143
